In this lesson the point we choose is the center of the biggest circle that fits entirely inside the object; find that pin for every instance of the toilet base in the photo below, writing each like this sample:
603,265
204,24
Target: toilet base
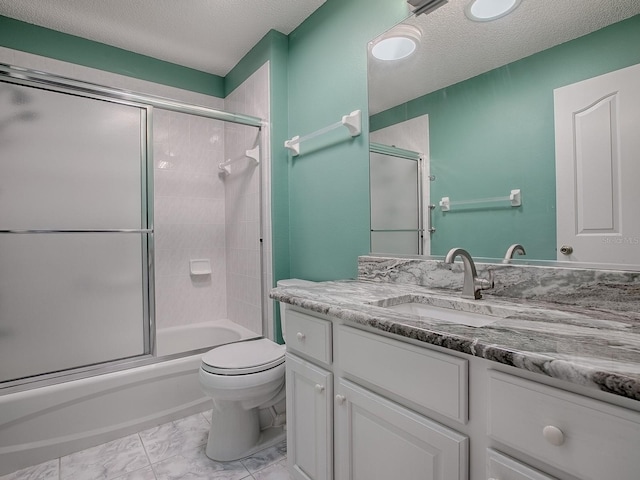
268,438
235,433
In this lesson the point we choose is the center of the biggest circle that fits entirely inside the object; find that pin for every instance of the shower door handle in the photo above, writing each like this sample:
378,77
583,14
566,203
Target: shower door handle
430,208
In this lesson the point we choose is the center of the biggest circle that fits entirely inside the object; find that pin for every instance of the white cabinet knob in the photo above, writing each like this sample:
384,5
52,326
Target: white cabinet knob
340,399
553,435
319,388
300,336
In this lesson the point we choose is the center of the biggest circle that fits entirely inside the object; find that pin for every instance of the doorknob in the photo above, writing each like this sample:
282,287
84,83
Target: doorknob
566,249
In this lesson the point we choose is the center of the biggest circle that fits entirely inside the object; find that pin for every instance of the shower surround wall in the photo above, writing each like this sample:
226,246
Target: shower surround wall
198,213
244,186
203,213
189,203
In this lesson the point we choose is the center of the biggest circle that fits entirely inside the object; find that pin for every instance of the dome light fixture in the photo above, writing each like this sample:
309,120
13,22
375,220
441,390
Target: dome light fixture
399,42
487,10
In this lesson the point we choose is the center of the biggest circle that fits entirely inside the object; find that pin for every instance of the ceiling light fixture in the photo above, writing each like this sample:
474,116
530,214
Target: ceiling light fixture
487,10
399,42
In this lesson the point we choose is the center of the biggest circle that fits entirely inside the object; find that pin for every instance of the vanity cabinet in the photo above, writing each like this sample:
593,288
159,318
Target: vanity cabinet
363,405
341,423
309,381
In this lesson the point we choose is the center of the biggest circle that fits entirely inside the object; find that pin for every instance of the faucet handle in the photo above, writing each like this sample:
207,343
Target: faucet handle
485,283
492,277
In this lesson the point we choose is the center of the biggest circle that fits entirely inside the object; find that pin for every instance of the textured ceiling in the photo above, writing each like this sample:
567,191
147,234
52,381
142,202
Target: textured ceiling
453,48
208,35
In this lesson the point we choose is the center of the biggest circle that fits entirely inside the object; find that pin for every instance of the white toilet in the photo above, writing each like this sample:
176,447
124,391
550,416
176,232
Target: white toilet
242,378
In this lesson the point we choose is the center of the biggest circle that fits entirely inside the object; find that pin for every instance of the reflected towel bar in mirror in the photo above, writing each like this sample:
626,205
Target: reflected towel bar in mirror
514,199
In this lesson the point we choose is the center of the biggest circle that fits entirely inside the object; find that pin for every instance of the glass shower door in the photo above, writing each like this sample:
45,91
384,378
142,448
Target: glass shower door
396,204
74,230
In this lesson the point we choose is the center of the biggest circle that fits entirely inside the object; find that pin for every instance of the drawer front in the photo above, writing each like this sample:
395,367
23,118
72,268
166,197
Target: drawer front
309,336
584,437
501,467
430,379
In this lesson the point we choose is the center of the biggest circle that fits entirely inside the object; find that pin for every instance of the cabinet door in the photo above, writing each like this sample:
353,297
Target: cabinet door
379,439
309,420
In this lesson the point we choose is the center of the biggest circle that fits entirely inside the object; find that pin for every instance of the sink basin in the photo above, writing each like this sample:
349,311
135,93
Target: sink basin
471,313
471,319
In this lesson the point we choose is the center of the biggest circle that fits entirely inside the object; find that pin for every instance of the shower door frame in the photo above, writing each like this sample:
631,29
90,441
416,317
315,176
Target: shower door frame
38,79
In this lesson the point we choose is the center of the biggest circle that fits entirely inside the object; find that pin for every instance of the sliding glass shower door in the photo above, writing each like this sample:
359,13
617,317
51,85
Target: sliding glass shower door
396,200
74,230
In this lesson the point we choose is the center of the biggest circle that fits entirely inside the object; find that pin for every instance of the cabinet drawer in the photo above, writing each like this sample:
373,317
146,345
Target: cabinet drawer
584,437
430,379
501,467
309,336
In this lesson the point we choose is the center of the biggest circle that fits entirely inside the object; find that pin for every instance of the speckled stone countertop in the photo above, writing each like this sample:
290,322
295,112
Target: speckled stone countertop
586,345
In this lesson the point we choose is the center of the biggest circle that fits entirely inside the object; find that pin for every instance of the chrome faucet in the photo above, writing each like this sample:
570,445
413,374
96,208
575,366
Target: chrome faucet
472,283
515,248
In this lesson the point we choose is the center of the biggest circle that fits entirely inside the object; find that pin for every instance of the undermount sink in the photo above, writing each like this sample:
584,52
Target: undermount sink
450,315
463,312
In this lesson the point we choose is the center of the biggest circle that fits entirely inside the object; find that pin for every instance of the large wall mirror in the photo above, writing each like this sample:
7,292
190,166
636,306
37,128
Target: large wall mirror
522,129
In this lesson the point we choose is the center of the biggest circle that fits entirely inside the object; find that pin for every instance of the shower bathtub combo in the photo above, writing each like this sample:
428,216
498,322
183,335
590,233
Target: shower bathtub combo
88,360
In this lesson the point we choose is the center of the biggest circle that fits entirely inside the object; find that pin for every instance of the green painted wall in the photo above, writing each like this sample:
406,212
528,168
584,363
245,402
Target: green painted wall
329,181
274,48
495,132
61,46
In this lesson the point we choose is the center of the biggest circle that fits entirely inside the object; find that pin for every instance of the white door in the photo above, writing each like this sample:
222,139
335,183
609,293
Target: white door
597,127
309,420
377,439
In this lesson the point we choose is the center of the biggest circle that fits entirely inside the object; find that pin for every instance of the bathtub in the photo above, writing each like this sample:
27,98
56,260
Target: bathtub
51,421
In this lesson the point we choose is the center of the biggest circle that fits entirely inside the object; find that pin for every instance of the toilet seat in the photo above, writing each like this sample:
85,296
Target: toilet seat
243,358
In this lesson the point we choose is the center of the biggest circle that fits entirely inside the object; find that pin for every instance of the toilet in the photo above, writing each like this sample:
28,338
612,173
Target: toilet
242,378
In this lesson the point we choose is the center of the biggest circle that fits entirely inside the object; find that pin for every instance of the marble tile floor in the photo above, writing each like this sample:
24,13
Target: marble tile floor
172,451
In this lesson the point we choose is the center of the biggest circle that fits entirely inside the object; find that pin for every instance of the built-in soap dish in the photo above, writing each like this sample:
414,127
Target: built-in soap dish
200,266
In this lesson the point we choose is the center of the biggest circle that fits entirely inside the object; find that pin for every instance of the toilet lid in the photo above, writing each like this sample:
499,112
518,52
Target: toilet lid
241,358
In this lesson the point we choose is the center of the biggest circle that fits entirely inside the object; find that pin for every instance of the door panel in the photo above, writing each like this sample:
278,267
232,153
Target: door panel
69,300
379,439
597,168
309,428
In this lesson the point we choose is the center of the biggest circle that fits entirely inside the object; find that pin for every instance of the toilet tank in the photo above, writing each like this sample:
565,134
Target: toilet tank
290,282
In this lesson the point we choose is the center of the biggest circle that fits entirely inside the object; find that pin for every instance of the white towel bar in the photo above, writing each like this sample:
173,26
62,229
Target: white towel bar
514,198
353,122
254,154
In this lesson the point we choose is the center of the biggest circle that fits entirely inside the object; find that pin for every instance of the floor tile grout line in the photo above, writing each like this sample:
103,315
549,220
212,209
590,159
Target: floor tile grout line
144,448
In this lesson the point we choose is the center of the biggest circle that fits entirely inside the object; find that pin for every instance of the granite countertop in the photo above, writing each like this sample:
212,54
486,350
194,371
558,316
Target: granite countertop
593,346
